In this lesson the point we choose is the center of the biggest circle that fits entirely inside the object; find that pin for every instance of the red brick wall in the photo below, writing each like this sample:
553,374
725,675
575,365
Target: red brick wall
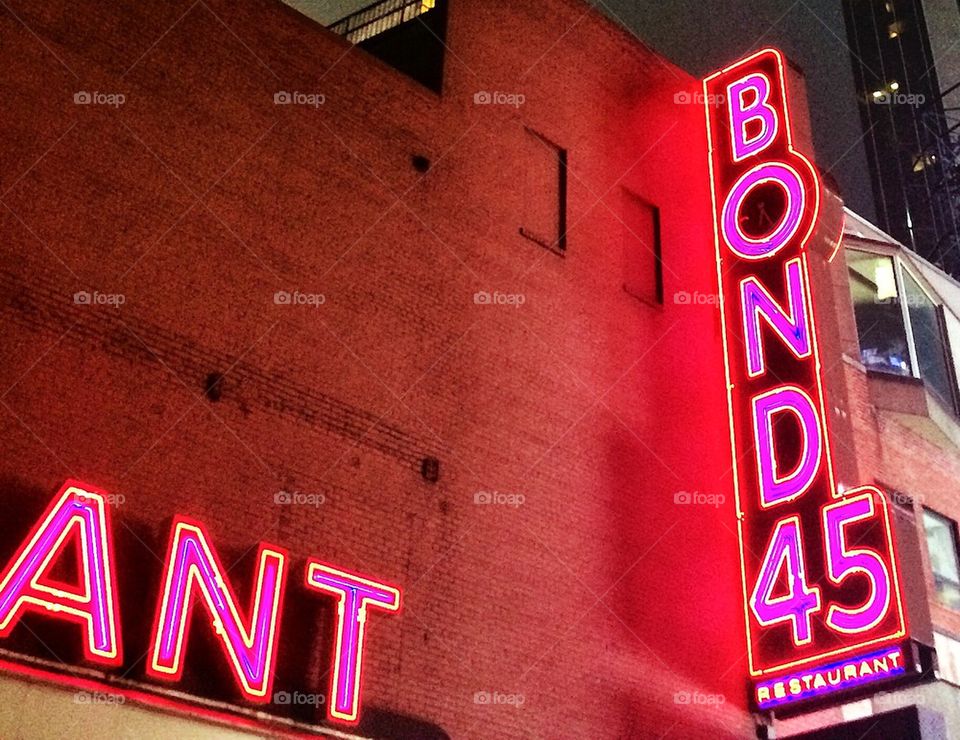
600,599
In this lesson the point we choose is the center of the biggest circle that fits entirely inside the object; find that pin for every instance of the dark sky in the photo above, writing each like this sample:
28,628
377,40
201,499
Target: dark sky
704,35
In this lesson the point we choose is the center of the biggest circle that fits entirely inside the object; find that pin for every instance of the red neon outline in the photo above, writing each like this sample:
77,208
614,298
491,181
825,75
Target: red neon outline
59,609
836,249
192,582
313,565
836,494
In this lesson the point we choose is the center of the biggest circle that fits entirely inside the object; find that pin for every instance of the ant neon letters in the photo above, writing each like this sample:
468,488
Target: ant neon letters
193,575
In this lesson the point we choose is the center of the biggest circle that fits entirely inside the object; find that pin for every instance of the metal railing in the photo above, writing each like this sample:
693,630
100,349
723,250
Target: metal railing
380,17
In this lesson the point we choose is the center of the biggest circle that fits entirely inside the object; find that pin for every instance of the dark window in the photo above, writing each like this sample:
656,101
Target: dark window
544,176
642,266
942,547
409,35
926,325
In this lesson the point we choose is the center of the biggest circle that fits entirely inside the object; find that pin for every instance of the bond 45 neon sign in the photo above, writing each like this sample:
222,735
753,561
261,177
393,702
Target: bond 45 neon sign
77,527
819,572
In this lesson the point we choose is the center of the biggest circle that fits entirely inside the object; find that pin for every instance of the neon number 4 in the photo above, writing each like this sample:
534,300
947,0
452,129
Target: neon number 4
800,602
842,563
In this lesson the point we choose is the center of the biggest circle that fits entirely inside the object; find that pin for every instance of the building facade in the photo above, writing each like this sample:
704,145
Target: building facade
898,331
259,278
907,74
394,348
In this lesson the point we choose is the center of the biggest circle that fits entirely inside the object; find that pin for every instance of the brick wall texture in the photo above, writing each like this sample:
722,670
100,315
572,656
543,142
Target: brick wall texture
611,608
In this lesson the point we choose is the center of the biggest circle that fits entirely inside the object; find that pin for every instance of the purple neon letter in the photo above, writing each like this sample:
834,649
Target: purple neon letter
354,594
766,246
799,603
774,487
193,565
843,562
24,584
742,114
793,328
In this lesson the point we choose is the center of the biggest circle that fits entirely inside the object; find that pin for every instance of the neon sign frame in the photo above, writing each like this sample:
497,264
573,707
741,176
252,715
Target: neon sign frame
836,599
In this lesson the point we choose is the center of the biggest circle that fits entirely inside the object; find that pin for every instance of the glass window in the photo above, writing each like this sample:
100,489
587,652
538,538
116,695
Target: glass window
942,548
926,325
876,304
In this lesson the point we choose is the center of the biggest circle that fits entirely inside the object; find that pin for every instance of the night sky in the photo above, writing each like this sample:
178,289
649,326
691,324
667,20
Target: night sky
704,35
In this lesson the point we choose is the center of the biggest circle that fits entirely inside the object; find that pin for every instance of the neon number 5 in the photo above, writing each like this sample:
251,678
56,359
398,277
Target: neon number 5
800,602
843,562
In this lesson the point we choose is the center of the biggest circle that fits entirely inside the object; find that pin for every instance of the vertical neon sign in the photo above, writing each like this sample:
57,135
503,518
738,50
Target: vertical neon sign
819,575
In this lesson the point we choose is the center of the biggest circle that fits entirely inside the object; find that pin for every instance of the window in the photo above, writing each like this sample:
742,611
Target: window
880,321
642,266
406,34
902,329
544,176
926,326
942,547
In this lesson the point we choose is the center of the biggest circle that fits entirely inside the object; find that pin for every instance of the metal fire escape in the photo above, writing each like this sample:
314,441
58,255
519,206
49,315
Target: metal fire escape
941,158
